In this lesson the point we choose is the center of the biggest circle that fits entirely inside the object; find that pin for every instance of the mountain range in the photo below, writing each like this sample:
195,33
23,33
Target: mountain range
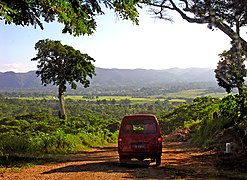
116,77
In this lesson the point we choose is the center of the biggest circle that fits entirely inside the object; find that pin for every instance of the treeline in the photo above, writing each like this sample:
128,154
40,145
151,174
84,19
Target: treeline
113,90
105,109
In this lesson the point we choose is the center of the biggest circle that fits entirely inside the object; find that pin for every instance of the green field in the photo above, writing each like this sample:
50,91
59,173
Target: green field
172,97
193,94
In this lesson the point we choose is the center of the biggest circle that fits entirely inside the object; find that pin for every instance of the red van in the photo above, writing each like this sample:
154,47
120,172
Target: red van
140,138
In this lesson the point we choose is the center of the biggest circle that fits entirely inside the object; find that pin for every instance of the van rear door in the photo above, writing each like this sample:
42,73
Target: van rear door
139,134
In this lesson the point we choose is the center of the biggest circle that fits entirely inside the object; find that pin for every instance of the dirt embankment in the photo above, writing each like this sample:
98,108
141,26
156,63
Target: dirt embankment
180,160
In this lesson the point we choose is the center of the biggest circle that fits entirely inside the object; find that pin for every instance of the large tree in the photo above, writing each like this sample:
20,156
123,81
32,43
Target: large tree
61,65
78,16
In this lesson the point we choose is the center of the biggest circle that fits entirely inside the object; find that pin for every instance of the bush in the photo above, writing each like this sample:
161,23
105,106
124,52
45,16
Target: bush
221,116
56,142
41,133
12,144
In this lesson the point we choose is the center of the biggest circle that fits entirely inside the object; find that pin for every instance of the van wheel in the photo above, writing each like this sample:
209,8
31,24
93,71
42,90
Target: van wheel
123,159
158,160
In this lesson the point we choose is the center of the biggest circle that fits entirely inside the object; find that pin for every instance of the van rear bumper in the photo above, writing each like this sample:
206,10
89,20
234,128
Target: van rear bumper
139,154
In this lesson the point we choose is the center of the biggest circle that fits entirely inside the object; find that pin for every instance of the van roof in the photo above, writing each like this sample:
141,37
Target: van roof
146,115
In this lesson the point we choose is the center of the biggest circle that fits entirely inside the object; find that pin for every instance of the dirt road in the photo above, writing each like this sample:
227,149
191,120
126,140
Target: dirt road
179,161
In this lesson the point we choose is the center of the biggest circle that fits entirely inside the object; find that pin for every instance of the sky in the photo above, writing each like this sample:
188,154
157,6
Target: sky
154,44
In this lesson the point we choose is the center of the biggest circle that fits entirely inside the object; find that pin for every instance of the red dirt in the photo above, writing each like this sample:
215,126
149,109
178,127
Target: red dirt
180,160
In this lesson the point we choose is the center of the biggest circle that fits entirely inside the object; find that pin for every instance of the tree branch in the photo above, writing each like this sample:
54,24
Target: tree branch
230,33
202,20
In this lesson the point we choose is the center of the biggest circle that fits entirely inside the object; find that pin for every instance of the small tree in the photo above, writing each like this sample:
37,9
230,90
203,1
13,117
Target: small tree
230,72
61,64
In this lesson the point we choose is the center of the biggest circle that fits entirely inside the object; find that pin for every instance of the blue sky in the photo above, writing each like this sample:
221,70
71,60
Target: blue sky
154,44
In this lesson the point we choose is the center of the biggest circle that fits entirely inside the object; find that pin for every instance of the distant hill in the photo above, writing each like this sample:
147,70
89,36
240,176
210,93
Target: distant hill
116,77
12,80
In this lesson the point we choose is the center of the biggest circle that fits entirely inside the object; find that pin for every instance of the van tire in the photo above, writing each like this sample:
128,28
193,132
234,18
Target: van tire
123,160
158,160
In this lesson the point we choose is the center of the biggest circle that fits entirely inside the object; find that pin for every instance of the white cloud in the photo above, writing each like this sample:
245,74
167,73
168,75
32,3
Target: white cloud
17,67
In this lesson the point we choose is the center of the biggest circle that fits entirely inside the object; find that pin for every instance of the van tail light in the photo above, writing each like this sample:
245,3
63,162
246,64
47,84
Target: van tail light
159,139
120,145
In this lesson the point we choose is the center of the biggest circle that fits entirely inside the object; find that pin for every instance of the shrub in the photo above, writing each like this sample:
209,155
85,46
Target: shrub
56,142
12,144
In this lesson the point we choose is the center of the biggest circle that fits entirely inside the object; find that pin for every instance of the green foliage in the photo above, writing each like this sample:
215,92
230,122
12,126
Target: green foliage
204,135
60,64
56,142
78,17
206,118
11,143
225,115
186,114
229,107
41,133
230,72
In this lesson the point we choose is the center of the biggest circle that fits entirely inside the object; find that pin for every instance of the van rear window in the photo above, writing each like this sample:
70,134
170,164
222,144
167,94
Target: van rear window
145,126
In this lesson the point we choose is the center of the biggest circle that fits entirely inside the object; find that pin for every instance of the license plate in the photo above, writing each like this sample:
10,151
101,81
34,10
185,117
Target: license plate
139,146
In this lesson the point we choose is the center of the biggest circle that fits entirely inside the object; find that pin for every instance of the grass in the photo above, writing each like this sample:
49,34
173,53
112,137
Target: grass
100,98
10,170
186,94
177,100
193,94
37,98
216,95
120,98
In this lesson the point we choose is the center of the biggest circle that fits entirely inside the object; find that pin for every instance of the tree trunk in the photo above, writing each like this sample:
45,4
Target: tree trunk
62,113
237,43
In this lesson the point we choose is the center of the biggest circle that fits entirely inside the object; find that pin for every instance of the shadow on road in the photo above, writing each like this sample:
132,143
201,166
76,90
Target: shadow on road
178,162
138,171
97,167
97,154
